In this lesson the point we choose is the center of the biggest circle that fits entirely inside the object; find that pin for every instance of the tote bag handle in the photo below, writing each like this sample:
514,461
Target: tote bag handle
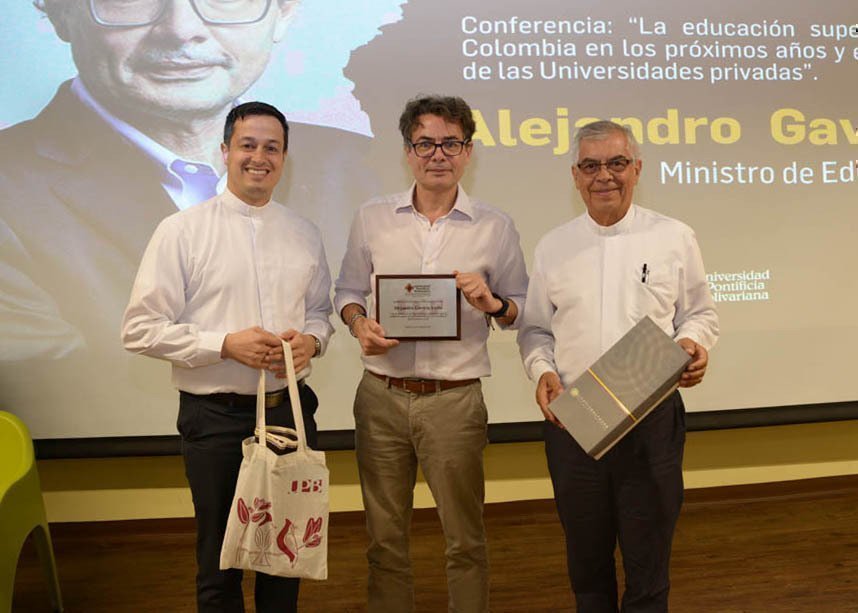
280,436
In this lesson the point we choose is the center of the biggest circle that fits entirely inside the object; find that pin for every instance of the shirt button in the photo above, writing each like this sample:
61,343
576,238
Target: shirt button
191,169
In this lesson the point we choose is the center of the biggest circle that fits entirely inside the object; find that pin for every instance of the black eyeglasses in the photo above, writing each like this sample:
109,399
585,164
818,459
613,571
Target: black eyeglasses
426,148
125,14
615,165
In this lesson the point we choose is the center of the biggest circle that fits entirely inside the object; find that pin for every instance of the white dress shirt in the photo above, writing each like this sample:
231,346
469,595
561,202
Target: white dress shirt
221,267
389,236
589,286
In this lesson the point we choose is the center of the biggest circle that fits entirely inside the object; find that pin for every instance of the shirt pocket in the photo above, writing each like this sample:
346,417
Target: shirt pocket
655,290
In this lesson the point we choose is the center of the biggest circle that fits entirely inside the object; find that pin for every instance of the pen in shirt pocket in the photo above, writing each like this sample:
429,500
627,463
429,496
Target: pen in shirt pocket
644,273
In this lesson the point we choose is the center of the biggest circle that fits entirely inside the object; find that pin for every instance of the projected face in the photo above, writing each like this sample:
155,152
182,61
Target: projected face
254,158
439,172
178,62
607,192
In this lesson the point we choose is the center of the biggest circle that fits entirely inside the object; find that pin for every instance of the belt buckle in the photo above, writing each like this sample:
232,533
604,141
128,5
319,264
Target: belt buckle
273,399
435,384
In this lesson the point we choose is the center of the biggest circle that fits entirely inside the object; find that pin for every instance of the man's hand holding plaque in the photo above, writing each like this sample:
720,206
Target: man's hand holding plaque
480,296
371,336
476,291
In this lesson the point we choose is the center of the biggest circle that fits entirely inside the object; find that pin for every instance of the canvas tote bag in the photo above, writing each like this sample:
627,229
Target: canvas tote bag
278,523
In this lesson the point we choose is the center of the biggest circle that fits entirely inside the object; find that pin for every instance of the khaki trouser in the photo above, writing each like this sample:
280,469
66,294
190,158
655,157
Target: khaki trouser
445,433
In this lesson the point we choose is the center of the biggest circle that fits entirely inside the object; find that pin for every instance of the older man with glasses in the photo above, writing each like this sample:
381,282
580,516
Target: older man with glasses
594,278
420,402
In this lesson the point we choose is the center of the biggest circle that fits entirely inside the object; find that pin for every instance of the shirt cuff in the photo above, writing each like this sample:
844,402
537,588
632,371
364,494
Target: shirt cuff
343,298
322,331
539,368
211,345
693,335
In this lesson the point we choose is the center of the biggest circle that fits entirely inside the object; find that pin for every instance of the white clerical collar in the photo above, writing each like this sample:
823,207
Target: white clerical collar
620,227
234,203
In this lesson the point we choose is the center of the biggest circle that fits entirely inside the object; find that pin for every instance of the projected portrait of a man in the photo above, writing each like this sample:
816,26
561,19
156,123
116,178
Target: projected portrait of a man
130,138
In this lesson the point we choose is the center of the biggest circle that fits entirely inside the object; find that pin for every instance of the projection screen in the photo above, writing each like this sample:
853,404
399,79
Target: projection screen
746,113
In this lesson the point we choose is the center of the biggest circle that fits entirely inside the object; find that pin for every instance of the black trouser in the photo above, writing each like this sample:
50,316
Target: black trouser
632,495
211,445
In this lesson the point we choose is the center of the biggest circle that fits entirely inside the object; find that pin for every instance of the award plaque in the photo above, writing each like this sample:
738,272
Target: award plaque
419,307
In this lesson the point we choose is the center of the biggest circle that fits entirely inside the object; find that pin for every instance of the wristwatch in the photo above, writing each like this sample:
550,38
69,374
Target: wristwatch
504,307
317,345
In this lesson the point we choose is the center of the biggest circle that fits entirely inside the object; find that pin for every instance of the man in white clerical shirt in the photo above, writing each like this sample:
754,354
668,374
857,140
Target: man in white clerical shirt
218,287
593,278
420,402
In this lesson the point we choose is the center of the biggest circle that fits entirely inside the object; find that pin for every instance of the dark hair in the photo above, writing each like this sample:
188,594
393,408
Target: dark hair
449,108
248,109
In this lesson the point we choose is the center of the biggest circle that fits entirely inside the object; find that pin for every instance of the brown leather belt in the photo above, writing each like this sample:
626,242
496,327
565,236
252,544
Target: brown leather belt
422,386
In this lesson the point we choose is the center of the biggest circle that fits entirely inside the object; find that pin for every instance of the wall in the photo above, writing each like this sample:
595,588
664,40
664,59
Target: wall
154,487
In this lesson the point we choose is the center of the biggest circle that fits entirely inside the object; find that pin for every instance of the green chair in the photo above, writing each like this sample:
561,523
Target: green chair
22,511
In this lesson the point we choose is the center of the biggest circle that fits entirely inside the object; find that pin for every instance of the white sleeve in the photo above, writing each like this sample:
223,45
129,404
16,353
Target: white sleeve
317,302
696,317
535,338
150,323
353,282
510,273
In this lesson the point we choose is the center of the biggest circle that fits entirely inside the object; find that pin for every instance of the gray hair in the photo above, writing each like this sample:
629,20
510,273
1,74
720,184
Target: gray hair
600,130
